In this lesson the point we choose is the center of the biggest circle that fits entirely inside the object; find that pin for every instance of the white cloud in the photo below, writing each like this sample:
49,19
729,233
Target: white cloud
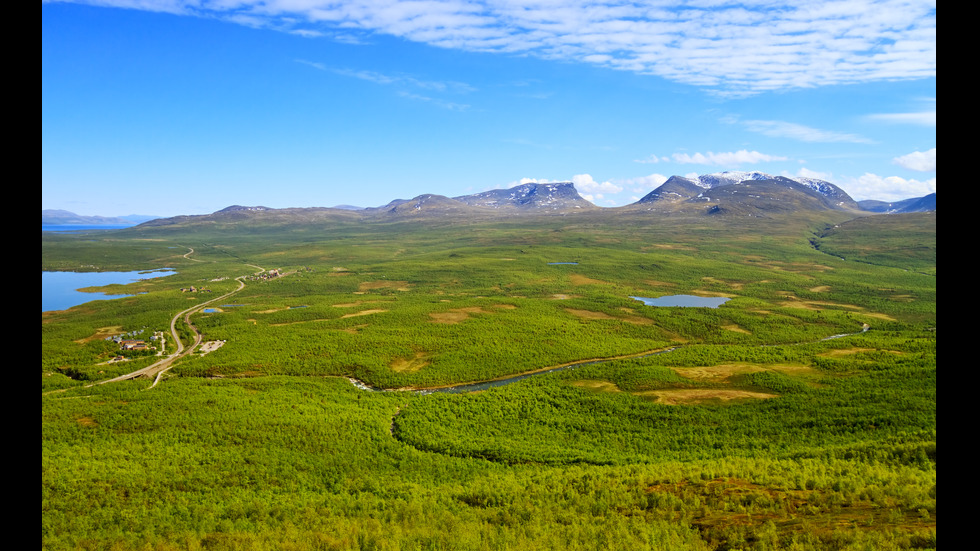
888,188
918,161
644,184
779,45
733,158
585,183
807,173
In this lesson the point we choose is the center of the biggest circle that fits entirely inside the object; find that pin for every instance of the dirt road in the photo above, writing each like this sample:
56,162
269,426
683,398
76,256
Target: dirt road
157,369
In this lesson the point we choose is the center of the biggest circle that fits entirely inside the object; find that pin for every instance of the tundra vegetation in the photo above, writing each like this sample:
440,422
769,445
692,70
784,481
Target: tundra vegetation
752,430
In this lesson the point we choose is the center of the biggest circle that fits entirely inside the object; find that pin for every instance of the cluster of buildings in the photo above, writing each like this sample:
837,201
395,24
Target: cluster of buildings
271,274
193,289
128,341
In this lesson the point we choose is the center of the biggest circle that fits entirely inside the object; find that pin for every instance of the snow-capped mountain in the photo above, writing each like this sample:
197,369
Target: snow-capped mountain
746,192
716,179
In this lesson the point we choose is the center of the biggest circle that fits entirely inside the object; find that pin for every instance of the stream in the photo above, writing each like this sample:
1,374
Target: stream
484,385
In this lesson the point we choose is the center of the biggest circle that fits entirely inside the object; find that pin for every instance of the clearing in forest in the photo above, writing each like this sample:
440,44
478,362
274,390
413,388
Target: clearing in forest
101,333
410,365
696,396
725,371
458,315
372,285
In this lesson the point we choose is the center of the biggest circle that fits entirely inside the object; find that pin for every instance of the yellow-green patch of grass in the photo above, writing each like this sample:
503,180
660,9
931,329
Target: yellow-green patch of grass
597,385
841,352
701,396
372,285
101,333
410,365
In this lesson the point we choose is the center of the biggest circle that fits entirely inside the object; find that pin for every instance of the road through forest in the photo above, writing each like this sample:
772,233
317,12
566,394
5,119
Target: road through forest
159,368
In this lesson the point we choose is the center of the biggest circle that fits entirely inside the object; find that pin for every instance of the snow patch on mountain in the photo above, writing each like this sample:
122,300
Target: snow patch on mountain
708,181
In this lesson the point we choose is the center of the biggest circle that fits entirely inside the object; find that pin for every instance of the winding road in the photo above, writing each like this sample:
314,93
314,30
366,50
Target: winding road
159,368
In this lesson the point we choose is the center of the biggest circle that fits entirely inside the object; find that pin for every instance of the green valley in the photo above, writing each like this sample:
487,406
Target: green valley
800,414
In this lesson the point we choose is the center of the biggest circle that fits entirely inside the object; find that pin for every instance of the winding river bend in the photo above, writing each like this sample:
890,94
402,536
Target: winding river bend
484,385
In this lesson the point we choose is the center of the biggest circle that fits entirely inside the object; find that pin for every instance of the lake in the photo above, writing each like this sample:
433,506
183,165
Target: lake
63,228
59,290
684,301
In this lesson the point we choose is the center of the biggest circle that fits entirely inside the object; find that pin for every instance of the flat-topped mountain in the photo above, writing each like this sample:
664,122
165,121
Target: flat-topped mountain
551,198
239,208
555,197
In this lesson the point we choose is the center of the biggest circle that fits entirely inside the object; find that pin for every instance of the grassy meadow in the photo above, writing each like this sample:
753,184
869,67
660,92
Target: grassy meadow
753,429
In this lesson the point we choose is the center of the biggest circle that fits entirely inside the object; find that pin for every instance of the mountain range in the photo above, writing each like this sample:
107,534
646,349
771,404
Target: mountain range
724,193
916,204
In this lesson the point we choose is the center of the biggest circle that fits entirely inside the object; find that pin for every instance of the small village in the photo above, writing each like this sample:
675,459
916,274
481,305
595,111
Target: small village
270,274
130,342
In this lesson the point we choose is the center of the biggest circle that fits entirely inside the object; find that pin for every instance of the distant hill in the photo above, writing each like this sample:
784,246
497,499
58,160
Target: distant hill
425,204
915,204
63,217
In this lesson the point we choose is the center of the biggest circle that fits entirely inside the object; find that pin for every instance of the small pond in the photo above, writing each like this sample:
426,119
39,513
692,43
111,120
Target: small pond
684,301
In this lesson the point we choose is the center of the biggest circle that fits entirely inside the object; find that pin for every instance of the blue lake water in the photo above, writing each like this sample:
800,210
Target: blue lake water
63,228
59,290
686,301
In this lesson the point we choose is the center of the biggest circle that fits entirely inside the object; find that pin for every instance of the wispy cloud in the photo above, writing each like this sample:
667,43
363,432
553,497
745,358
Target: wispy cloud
451,105
730,47
729,159
384,78
652,159
405,82
921,118
799,132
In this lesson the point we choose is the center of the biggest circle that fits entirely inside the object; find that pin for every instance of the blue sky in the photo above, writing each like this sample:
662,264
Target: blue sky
169,107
